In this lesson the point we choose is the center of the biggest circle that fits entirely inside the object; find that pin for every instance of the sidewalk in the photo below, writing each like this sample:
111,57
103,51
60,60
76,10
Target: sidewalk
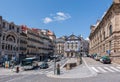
80,71
7,71
10,71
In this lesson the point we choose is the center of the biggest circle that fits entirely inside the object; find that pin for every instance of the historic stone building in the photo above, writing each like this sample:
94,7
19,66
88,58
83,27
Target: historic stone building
9,40
105,35
72,45
18,42
60,45
40,43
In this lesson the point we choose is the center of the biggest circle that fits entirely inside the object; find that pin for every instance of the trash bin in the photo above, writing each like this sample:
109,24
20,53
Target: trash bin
58,69
17,69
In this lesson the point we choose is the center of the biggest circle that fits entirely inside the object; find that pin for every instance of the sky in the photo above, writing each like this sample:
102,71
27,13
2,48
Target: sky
63,17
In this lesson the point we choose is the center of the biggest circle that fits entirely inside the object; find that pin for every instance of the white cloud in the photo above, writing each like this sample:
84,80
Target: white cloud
47,20
59,16
87,38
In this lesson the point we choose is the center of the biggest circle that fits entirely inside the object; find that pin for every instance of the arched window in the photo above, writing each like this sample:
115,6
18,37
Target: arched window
104,35
72,45
68,45
76,45
10,38
110,30
3,37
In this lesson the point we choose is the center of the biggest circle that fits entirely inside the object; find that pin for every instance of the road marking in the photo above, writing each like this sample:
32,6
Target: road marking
95,69
94,73
17,78
101,69
108,69
118,67
115,69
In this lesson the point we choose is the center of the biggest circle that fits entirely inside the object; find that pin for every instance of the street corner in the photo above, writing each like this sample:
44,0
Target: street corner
78,72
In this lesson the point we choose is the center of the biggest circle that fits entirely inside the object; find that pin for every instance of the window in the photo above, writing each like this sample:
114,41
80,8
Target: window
9,27
104,35
68,45
109,45
59,47
3,37
2,46
11,47
3,24
72,45
13,27
18,30
103,47
76,45
110,30
8,47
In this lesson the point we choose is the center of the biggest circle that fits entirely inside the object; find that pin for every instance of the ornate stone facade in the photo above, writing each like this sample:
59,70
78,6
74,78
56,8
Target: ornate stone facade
105,35
70,46
60,45
9,40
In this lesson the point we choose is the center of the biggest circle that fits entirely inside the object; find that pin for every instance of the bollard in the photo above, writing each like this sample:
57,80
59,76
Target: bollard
17,69
58,69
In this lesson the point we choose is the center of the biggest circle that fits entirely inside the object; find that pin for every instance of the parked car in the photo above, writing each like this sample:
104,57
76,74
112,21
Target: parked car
97,57
44,65
93,55
105,59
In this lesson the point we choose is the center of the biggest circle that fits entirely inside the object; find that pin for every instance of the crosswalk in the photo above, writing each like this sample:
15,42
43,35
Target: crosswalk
106,69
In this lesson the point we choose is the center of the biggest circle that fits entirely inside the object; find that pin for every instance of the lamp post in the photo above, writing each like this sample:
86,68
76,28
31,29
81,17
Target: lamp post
79,56
81,50
54,64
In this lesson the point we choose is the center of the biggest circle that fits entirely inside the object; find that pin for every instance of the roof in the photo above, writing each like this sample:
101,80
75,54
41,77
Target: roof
60,40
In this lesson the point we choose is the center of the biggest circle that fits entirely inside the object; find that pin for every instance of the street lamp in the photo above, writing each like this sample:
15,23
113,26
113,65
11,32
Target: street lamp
81,50
54,64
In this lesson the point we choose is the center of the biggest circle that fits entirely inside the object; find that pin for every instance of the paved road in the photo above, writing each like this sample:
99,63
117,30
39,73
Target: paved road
42,78
99,67
103,76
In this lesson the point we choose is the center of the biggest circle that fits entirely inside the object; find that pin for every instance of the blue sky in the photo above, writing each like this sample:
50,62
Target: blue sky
63,17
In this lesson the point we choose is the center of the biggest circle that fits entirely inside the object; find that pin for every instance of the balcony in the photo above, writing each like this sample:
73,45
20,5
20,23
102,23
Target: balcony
23,42
31,46
23,48
23,34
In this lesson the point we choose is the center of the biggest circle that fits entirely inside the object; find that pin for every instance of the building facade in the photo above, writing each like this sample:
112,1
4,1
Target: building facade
60,45
9,40
105,35
71,46
18,42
